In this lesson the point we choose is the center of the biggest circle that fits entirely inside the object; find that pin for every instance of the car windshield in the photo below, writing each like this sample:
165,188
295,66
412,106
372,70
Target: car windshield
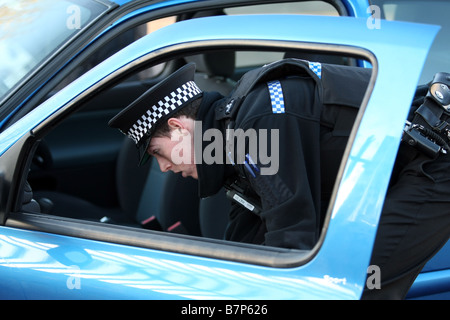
31,31
423,11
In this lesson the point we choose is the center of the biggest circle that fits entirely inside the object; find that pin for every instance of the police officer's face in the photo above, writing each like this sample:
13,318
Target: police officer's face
176,153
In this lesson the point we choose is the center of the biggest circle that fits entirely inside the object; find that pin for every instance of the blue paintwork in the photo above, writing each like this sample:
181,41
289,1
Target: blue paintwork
43,266
434,280
433,284
34,262
358,8
121,2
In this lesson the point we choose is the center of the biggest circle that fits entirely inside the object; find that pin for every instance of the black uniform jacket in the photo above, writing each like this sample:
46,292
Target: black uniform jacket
305,144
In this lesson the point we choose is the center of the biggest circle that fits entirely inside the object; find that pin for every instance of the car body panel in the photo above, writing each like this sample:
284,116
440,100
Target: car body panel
358,8
431,285
108,270
434,280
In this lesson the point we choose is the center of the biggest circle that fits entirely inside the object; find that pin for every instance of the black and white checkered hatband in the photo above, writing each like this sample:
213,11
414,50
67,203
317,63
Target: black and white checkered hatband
161,109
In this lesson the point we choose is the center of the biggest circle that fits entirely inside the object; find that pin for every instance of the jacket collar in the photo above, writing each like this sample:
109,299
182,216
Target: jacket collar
211,177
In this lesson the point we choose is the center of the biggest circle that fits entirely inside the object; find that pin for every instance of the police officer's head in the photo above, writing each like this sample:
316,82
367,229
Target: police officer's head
161,112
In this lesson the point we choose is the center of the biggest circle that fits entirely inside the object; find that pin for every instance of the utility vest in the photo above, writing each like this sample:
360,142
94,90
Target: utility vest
428,128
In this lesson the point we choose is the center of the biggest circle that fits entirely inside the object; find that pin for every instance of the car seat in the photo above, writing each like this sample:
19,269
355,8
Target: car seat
142,192
213,215
214,71
130,179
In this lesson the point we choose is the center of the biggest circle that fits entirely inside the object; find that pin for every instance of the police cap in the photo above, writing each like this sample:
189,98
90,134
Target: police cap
159,103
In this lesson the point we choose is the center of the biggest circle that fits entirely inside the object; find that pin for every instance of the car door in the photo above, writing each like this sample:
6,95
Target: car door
49,257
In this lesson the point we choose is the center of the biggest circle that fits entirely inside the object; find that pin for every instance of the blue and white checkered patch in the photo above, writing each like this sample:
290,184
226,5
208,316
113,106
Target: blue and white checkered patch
276,96
316,67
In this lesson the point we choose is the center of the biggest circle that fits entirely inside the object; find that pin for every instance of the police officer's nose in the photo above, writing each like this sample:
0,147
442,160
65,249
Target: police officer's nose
164,165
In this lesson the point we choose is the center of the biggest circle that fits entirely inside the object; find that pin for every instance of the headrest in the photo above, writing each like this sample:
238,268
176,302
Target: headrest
219,64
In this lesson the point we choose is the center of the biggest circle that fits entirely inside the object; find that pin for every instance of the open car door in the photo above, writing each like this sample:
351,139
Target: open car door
50,257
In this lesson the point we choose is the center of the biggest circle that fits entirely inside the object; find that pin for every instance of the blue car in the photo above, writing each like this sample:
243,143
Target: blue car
80,220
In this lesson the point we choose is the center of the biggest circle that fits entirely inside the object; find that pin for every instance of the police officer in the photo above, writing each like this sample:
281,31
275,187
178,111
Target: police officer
415,220
288,111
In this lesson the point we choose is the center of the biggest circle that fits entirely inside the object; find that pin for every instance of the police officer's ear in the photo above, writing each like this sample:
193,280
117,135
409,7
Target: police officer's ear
175,124
178,128
183,125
